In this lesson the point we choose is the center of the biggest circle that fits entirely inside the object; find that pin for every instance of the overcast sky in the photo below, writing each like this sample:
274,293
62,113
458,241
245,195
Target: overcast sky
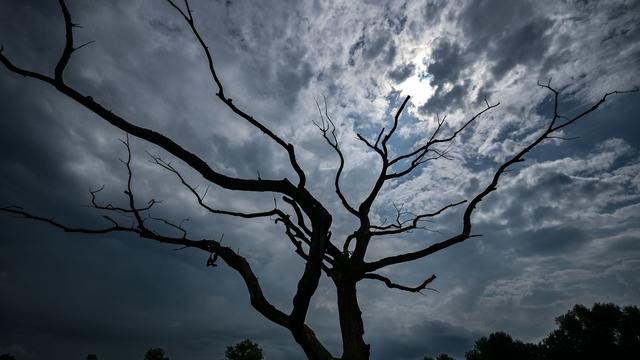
563,228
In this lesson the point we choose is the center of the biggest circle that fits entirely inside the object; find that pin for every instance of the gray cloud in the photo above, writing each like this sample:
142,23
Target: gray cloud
446,99
429,338
525,45
447,63
402,72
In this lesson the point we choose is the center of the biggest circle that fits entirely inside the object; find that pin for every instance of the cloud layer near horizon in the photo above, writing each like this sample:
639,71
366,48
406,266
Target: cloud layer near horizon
562,229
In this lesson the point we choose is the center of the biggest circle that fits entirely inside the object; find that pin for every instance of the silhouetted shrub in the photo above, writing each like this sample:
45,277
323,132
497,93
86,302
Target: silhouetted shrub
155,354
244,350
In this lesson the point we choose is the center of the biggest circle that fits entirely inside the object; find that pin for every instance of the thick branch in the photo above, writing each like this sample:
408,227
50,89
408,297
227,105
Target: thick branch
68,46
390,284
299,216
195,162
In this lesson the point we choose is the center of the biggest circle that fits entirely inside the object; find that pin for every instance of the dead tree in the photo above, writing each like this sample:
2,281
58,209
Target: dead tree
307,223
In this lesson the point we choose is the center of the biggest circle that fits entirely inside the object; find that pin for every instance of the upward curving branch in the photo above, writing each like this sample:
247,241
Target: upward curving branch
188,17
328,129
552,128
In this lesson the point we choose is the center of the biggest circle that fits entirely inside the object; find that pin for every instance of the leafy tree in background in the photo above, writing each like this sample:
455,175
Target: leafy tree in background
306,221
155,354
500,346
605,331
244,350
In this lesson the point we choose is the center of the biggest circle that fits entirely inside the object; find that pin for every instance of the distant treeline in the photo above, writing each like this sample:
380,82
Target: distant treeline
244,350
604,332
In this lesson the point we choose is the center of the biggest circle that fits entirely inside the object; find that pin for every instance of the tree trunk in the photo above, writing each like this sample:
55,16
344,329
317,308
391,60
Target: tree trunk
312,348
351,326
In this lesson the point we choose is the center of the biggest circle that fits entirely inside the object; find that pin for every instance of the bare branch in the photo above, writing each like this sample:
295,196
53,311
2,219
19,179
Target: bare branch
229,102
170,224
129,191
329,126
110,207
200,198
371,146
422,150
390,284
68,46
83,45
591,109
17,210
400,227
419,160
394,127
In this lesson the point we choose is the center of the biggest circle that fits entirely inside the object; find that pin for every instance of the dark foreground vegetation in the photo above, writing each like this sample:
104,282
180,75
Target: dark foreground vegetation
606,331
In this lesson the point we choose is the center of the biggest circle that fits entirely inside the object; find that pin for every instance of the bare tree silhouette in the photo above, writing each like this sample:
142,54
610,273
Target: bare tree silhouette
307,222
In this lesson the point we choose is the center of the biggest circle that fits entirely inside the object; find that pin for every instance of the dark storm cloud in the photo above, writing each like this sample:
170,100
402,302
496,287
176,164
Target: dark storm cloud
295,74
396,20
507,15
402,72
446,99
550,241
525,45
521,37
448,61
446,68
432,10
429,338
374,47
354,48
